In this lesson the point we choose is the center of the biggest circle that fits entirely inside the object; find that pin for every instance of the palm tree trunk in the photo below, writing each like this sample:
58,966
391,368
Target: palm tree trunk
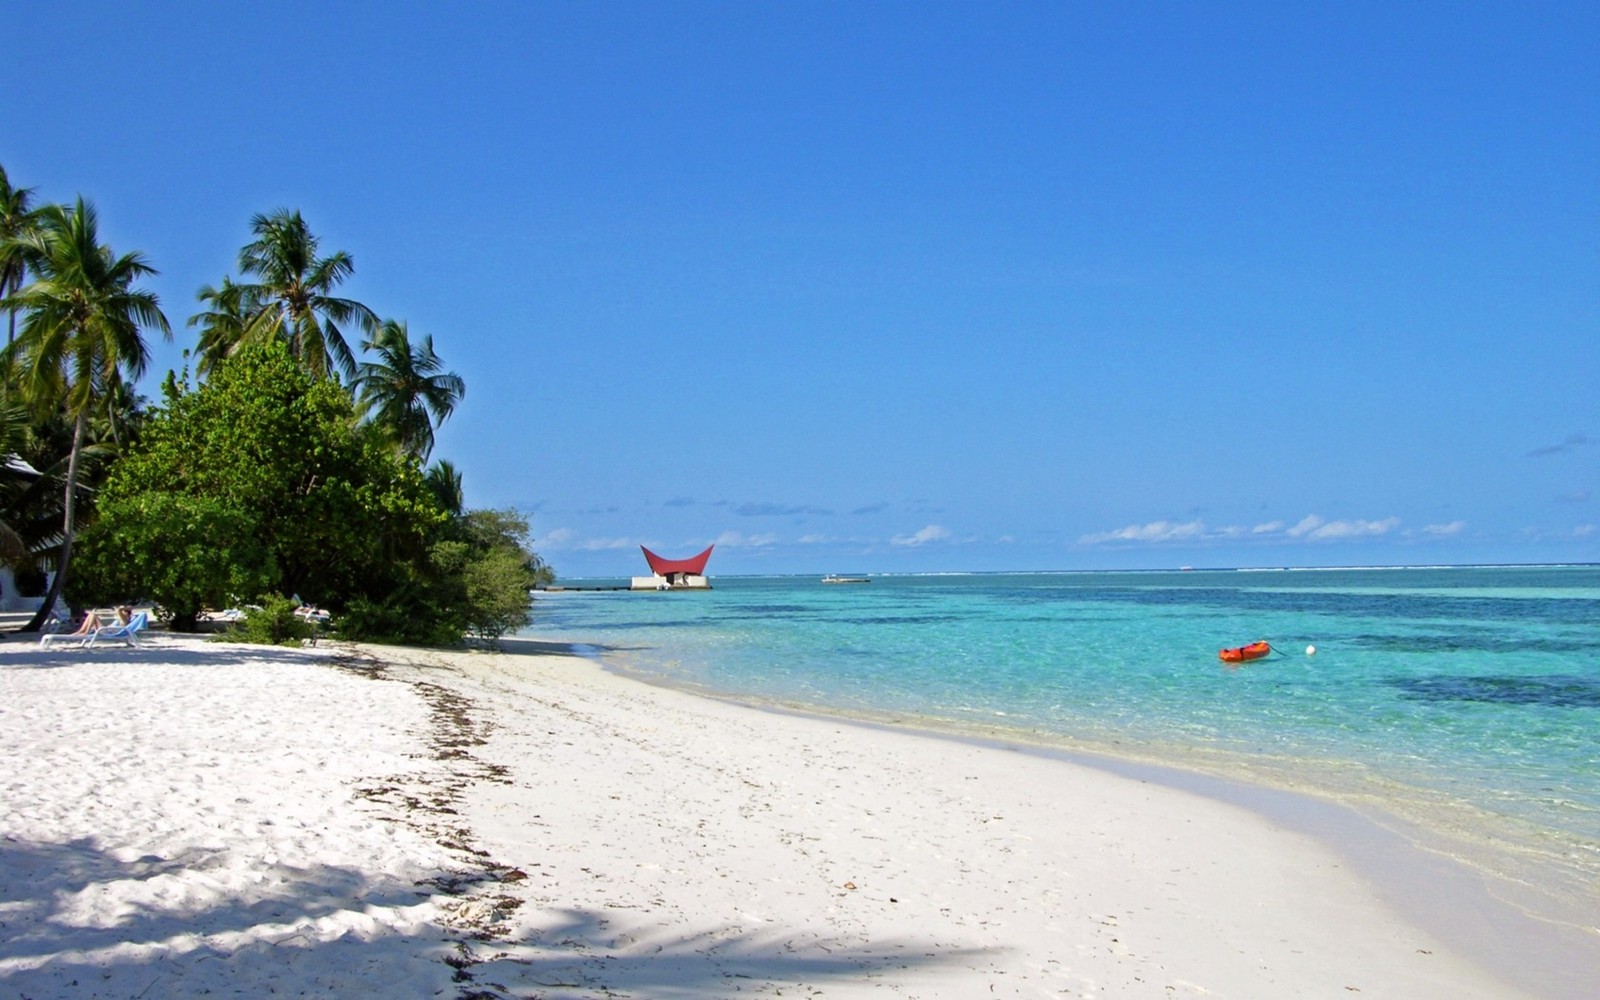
12,282
67,525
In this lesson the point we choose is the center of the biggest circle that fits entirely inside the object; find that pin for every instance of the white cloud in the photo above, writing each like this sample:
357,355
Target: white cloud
1353,529
1307,525
1309,528
1537,534
1314,528
605,544
813,539
739,540
1441,530
932,533
568,540
1154,532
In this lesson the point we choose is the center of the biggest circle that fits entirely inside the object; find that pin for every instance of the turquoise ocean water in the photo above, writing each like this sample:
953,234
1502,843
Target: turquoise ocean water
1463,700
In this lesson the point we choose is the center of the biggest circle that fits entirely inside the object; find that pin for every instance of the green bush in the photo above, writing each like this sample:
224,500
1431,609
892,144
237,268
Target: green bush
260,480
182,552
272,624
489,571
497,583
407,617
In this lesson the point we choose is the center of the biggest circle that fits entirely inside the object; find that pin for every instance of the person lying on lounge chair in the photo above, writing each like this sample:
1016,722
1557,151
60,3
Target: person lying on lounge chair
124,633
313,614
91,622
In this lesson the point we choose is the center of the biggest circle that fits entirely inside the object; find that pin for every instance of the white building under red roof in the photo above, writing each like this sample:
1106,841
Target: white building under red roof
674,574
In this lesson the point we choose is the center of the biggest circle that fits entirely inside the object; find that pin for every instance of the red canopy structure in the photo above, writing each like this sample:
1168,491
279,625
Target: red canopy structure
695,566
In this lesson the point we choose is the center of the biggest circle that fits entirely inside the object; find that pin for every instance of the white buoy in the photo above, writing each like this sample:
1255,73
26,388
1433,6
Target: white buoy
1311,651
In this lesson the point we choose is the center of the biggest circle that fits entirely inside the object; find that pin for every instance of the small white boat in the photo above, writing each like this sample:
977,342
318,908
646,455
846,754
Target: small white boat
835,578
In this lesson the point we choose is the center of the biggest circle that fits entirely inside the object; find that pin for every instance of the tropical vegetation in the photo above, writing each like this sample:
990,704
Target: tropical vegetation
284,469
407,389
80,340
18,219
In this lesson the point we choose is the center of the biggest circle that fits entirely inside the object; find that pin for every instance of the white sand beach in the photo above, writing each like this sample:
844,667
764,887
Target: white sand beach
193,817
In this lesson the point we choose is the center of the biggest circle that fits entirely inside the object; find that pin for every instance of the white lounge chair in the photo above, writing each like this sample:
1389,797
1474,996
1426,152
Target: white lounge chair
78,637
128,633
58,627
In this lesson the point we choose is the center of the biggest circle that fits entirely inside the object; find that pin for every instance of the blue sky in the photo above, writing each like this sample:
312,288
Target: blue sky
910,286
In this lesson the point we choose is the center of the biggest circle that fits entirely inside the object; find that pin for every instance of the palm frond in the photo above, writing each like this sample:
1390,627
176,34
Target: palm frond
405,390
293,293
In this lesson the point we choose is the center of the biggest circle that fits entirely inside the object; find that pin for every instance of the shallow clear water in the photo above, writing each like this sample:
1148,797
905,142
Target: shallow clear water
1475,686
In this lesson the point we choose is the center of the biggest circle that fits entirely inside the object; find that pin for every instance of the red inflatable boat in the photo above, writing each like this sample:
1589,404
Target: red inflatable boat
1239,654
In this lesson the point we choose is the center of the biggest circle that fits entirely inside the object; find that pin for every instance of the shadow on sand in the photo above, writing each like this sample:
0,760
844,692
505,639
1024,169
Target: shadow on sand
74,923
589,953
24,650
313,931
170,647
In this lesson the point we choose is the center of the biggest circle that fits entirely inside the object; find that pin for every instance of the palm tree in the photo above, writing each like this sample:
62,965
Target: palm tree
17,219
16,475
80,342
444,482
293,297
34,482
224,326
405,389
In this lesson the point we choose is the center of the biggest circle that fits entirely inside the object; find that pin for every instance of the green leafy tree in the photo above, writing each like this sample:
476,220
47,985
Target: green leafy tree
183,552
482,572
497,584
495,570
406,389
316,506
80,337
